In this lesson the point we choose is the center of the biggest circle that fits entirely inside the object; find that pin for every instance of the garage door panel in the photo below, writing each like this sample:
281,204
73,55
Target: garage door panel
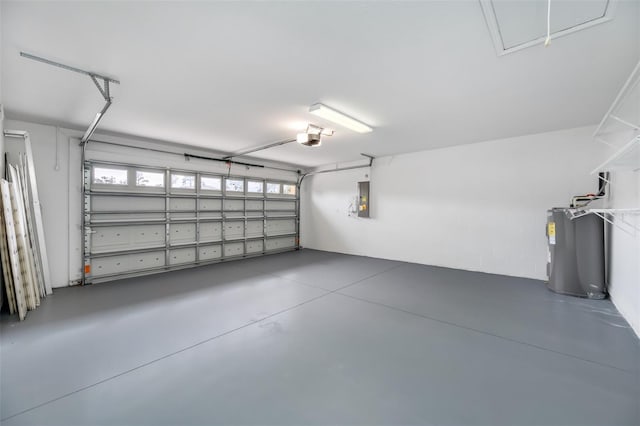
182,233
281,205
280,226
233,249
183,217
210,231
147,235
210,252
210,215
125,203
255,205
122,264
280,214
138,230
112,217
255,228
255,246
209,204
233,230
280,243
233,205
182,256
233,215
115,238
182,204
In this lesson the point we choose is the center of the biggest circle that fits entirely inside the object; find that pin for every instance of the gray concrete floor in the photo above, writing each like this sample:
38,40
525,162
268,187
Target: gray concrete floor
312,337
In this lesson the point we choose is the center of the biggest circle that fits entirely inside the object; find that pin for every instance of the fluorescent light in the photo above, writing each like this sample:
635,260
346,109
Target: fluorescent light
297,125
339,118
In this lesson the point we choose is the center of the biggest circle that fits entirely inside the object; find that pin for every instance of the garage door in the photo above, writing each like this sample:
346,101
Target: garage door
140,220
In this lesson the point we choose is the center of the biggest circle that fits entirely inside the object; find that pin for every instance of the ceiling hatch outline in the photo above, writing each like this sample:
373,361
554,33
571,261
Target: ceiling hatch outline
493,26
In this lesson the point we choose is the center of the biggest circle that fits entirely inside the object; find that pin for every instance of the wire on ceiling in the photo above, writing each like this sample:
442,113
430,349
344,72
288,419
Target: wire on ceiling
547,41
56,166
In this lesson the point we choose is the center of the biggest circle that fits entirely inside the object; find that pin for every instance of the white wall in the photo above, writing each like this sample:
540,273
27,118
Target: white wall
1,140
52,189
624,248
1,108
56,159
478,207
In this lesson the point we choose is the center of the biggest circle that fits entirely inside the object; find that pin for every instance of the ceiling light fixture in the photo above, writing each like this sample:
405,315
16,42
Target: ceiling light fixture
337,117
309,139
312,129
317,130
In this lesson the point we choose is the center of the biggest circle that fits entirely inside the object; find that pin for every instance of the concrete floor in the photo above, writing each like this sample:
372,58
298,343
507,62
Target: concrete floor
313,337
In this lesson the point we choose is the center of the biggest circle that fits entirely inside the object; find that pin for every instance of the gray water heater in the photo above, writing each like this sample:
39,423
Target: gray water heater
363,199
576,254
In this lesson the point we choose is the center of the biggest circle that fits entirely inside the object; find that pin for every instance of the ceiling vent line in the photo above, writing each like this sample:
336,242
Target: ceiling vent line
104,89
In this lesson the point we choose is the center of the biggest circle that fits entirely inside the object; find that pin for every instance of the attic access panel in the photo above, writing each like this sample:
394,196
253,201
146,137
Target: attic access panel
516,25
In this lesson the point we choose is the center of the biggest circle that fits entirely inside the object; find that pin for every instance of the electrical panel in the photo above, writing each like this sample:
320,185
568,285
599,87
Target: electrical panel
363,199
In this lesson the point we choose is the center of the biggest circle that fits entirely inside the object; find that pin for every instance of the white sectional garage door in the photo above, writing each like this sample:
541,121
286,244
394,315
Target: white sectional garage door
141,219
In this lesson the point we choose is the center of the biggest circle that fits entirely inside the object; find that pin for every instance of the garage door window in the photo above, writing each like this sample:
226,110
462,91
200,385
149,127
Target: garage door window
209,183
255,187
108,176
289,189
179,181
273,188
234,185
151,179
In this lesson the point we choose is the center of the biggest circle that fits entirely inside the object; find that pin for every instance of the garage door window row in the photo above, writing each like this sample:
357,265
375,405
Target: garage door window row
107,177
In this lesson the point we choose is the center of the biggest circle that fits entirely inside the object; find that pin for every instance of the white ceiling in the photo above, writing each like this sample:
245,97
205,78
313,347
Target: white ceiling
230,75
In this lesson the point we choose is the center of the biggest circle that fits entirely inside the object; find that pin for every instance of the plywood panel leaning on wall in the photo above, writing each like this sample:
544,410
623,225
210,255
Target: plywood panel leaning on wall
13,260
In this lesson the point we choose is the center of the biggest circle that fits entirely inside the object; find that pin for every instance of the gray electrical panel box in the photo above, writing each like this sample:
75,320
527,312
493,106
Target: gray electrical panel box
576,254
363,199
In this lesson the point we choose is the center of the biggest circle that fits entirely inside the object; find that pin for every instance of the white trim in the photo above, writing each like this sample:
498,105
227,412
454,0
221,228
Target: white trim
494,27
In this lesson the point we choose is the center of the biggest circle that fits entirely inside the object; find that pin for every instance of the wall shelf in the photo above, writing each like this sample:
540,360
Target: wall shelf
626,158
615,217
622,133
